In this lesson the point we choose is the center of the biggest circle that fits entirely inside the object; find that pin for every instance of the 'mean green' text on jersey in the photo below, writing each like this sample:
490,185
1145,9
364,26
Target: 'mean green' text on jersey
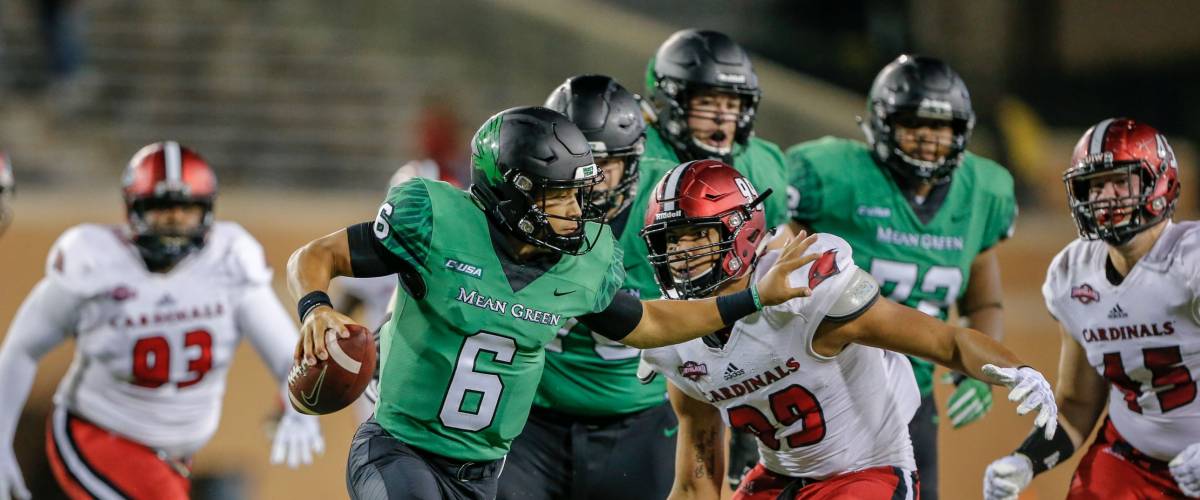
588,374
761,161
838,188
459,367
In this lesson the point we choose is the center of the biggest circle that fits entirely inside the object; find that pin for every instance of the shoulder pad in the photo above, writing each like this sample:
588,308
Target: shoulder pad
242,254
861,291
87,258
1178,245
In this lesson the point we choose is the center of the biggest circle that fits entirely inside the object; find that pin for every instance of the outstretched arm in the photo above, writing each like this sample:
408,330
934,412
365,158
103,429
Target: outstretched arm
891,326
700,449
888,325
659,323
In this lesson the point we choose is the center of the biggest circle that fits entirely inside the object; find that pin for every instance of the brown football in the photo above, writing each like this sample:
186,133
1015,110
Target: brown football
334,383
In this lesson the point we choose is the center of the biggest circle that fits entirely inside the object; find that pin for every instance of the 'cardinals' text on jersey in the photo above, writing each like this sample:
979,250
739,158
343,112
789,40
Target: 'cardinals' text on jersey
1143,335
814,416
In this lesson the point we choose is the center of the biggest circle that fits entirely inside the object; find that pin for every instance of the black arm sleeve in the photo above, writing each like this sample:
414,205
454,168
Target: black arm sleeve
369,259
1043,453
617,320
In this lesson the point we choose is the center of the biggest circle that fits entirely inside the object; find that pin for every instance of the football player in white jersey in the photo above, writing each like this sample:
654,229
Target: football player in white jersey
1126,295
156,309
810,378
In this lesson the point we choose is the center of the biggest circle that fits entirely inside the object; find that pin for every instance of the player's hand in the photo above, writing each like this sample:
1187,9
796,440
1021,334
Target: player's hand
1006,477
1185,467
972,399
1032,390
773,288
312,333
297,438
12,485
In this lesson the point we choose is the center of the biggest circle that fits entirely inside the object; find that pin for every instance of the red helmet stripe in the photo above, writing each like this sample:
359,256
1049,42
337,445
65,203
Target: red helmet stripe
1096,146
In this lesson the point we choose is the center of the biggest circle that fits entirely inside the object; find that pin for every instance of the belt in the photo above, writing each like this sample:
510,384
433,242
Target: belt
460,470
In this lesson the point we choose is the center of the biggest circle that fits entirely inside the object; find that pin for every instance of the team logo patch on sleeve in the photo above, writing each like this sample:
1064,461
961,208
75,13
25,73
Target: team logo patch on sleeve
693,370
824,268
1085,294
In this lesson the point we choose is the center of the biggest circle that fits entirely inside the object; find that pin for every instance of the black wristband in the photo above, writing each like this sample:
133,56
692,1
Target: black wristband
310,301
736,306
1043,453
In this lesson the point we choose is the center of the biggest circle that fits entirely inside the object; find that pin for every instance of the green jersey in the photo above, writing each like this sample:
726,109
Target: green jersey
459,366
588,374
761,161
838,188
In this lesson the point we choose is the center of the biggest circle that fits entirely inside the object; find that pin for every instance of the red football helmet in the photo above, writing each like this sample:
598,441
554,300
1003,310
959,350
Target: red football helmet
164,175
1122,146
704,193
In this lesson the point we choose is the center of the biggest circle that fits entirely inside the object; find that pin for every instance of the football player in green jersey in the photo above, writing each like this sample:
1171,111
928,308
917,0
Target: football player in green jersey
703,95
922,214
594,430
488,276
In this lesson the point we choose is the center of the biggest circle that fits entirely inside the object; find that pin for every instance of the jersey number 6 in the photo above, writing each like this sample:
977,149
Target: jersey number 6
484,389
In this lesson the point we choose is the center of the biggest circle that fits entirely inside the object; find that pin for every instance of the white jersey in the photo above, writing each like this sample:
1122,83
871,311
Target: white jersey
1143,335
814,416
153,350
374,294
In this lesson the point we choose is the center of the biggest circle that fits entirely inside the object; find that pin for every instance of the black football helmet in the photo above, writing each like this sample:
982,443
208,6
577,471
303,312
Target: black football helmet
611,119
917,87
691,60
516,157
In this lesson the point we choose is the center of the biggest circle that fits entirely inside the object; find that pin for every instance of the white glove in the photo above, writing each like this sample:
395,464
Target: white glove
297,437
1032,390
1006,477
12,485
1186,469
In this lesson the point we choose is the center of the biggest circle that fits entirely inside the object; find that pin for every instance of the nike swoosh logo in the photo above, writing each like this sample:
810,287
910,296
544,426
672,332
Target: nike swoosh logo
560,294
310,398
671,432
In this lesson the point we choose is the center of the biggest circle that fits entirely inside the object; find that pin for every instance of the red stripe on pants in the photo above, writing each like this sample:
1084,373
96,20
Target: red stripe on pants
134,469
873,483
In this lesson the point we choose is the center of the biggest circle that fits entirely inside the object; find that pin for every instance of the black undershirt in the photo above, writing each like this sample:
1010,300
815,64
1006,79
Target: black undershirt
1110,271
933,201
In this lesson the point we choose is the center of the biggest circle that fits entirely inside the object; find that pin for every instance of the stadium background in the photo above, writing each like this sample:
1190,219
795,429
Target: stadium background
306,107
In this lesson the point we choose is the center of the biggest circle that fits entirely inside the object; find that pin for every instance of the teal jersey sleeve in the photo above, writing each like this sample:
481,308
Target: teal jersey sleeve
614,277
764,164
804,194
404,223
1002,215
